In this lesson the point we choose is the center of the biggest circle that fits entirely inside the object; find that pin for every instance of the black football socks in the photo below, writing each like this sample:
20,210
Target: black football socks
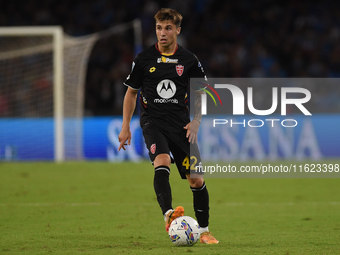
201,205
162,188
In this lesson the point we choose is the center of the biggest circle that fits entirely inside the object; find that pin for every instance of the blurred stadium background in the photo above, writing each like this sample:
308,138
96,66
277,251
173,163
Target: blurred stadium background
90,207
231,38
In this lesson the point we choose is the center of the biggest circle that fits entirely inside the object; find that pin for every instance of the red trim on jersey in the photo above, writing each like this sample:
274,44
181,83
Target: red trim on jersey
156,45
141,99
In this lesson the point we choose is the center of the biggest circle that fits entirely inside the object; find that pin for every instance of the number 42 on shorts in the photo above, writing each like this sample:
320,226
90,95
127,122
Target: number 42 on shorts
189,163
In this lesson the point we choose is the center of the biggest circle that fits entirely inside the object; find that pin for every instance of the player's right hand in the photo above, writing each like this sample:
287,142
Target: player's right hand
124,138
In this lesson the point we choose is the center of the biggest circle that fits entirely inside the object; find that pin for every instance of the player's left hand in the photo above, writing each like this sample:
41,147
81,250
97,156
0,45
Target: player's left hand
192,130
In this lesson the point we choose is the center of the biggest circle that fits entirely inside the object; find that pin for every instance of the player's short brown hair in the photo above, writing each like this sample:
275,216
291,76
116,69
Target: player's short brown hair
169,14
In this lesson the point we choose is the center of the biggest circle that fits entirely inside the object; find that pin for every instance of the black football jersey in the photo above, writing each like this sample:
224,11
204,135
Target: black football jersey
164,83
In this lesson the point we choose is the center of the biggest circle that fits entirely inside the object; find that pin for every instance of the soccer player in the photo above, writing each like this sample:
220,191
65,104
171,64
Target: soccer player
162,73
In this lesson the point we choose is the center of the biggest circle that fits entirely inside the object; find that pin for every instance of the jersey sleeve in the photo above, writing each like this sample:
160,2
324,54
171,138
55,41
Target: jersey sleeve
197,72
135,78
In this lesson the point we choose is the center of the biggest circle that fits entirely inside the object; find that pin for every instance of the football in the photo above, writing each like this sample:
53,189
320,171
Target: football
184,231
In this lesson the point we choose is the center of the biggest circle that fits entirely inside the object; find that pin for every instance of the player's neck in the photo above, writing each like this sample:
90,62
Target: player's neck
167,50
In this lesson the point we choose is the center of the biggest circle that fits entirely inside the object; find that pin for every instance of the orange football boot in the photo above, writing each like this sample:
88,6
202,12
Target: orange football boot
178,212
207,238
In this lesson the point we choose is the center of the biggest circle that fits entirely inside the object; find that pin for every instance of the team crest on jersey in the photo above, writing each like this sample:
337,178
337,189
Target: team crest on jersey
179,69
153,148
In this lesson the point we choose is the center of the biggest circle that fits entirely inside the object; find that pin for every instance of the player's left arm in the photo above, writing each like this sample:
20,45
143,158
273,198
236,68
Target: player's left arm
193,126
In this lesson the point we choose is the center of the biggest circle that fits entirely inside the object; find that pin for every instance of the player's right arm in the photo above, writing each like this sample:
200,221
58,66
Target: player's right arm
129,106
133,82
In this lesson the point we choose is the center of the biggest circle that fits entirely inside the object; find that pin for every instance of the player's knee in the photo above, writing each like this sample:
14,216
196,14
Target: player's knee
162,160
196,182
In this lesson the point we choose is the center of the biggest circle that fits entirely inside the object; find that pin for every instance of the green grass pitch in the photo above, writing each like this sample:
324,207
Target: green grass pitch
110,208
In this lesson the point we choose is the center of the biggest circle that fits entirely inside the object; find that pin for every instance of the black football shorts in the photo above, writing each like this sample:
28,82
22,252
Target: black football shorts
185,155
